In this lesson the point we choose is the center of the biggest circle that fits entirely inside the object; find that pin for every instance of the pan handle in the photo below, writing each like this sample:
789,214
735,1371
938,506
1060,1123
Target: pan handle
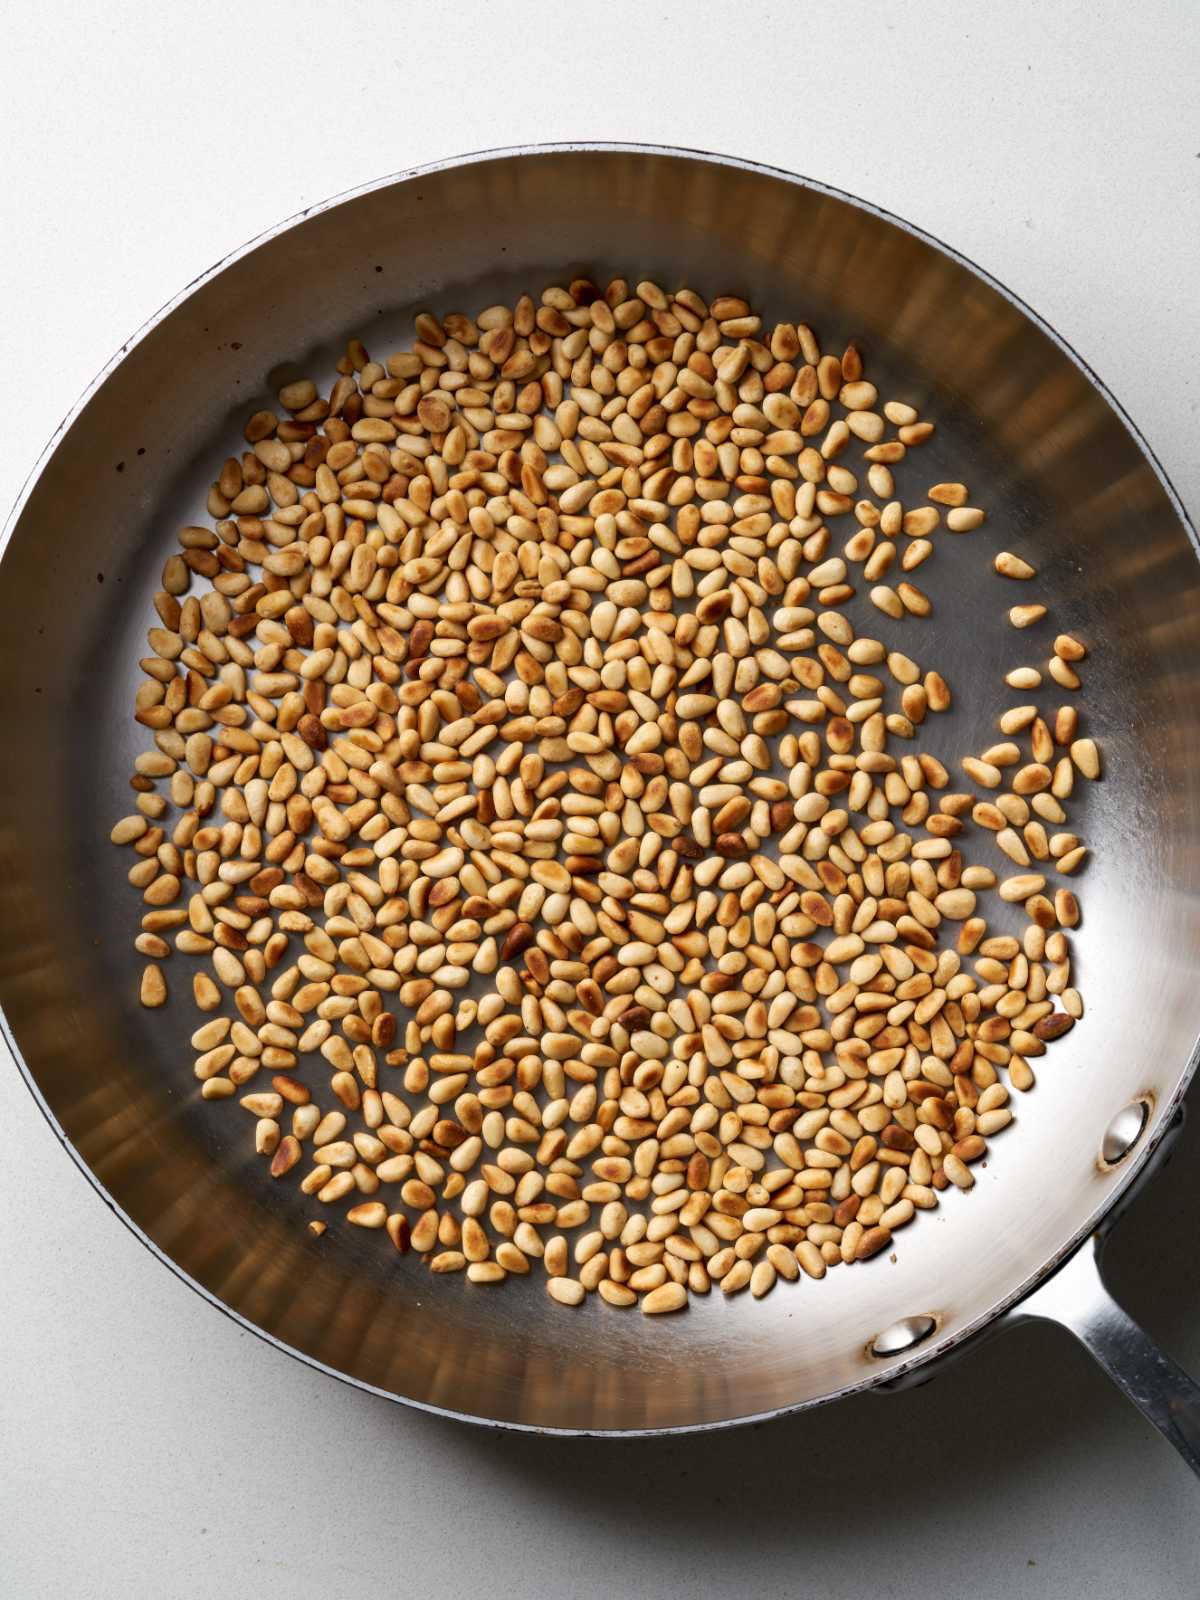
1076,1298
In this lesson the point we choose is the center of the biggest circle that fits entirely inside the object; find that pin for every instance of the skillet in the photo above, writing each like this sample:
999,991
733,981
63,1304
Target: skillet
1068,483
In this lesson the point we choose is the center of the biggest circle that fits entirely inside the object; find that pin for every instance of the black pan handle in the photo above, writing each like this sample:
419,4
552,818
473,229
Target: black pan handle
1076,1298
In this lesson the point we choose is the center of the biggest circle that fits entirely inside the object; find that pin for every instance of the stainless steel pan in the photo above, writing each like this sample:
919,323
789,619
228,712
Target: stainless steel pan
1067,482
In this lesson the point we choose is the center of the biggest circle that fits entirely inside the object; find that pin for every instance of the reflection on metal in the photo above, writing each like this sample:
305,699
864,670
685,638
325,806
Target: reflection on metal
1123,1132
901,1336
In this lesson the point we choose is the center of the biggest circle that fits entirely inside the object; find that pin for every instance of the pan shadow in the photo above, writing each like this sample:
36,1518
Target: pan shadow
1015,1419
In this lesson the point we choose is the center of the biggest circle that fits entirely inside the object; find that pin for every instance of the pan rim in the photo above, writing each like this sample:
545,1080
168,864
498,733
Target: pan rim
1164,1111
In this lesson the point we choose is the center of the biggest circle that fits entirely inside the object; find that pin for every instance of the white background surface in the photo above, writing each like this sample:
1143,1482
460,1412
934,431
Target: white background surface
147,1445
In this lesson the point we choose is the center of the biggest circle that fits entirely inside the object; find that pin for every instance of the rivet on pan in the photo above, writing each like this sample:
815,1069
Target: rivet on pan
901,1336
1123,1132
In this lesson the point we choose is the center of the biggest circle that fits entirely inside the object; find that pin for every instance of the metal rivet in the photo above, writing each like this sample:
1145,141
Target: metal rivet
1123,1132
901,1336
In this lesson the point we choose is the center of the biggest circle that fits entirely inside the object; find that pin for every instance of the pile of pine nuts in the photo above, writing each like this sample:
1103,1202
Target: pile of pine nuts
565,880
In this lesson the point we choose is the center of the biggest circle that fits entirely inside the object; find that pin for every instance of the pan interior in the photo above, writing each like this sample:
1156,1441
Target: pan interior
1065,485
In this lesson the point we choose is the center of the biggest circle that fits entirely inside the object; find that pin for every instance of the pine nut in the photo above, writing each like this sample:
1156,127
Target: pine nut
153,991
1026,616
1010,566
668,1297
